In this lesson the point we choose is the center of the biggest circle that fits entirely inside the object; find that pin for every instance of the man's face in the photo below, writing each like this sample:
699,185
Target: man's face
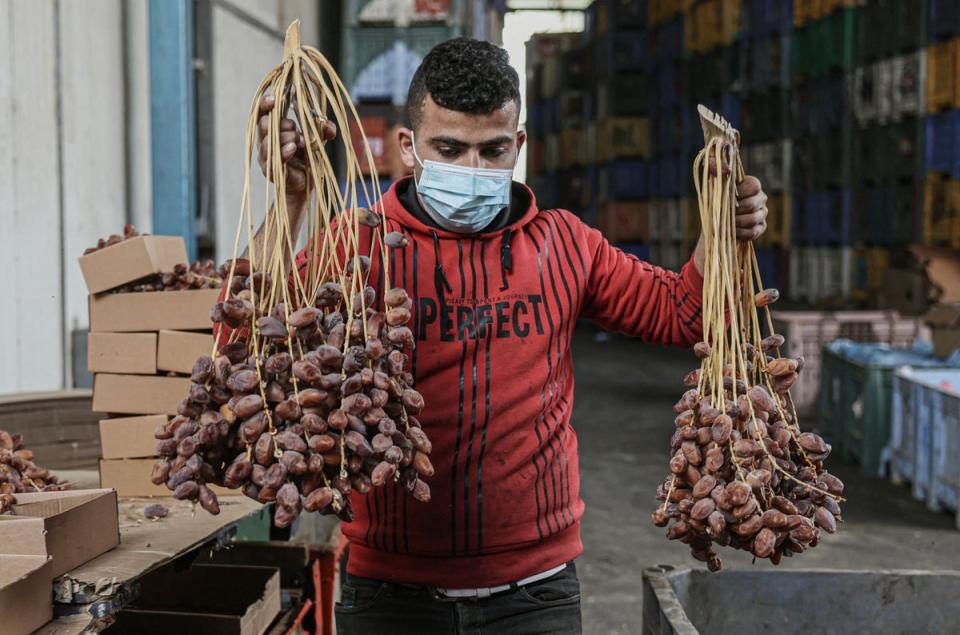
476,141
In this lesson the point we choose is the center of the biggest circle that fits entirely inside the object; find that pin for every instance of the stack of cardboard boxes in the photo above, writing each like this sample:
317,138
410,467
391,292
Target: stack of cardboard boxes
141,347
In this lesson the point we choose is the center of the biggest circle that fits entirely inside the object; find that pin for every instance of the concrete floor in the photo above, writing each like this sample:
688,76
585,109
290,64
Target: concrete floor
623,417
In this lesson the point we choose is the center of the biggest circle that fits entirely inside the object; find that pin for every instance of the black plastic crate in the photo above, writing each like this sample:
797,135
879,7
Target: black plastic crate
627,94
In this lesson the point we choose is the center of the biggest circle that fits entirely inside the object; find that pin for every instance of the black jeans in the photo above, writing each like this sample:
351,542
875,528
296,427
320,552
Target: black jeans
370,607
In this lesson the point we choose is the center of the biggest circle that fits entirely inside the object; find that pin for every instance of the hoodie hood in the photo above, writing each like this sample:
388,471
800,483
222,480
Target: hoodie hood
394,210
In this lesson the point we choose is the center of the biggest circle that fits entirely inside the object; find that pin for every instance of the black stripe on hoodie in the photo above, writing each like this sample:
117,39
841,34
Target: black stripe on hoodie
541,256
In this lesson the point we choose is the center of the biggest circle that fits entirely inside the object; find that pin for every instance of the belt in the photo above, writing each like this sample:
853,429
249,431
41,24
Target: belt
485,592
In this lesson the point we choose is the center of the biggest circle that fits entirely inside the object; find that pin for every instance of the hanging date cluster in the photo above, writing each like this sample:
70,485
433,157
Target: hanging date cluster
324,408
18,473
742,474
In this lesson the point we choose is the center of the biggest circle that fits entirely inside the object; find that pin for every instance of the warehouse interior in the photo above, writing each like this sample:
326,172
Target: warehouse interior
122,198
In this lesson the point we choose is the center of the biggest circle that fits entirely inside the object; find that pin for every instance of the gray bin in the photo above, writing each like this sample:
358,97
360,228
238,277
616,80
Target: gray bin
823,601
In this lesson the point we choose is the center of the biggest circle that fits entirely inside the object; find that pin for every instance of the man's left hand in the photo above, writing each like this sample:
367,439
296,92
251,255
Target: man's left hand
751,209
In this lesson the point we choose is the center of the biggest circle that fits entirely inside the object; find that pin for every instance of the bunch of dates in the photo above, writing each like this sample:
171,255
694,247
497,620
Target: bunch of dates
202,274
743,475
322,406
18,474
129,231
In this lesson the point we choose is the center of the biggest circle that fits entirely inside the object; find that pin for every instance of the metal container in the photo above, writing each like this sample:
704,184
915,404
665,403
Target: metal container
824,601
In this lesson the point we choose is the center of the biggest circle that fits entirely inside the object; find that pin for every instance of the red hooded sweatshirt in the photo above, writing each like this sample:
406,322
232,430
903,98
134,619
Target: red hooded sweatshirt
493,318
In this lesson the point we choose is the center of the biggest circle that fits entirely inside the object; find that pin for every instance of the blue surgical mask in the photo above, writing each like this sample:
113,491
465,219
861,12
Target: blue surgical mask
462,199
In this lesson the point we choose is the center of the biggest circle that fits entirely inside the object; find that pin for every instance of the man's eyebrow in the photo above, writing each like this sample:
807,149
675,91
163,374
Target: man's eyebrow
497,141
449,141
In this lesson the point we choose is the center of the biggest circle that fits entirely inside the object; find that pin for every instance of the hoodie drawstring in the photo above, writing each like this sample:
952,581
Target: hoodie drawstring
506,260
439,277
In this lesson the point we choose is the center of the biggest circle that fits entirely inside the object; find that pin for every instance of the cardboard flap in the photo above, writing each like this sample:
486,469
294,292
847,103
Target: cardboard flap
22,536
942,266
47,504
14,568
943,315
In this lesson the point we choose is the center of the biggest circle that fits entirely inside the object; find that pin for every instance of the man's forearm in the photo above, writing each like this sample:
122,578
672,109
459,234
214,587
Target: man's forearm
296,210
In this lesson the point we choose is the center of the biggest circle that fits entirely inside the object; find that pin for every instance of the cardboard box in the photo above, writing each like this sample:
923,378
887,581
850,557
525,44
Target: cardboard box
131,260
122,353
26,596
129,437
210,599
79,525
944,323
138,394
153,311
178,351
131,477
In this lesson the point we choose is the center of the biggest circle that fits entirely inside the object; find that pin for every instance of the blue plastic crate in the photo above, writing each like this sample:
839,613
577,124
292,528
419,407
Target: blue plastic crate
622,51
670,174
732,110
943,143
936,436
551,115
548,190
806,218
669,130
626,13
668,84
765,17
770,261
625,180
943,19
835,207
667,40
535,119
639,250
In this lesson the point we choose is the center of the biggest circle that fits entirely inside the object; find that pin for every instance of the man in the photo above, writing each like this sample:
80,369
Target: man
498,285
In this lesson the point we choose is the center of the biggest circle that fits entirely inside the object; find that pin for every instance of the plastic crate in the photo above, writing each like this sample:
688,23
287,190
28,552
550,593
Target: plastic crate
626,95
943,19
942,148
631,14
806,333
935,434
624,180
667,40
373,12
941,75
622,51
902,447
765,17
379,62
766,116
941,211
909,91
769,62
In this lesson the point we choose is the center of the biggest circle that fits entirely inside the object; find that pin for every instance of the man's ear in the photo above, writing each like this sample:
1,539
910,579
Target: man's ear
405,142
521,139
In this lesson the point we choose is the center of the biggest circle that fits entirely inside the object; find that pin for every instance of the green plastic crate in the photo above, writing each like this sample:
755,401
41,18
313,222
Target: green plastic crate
826,44
362,45
855,406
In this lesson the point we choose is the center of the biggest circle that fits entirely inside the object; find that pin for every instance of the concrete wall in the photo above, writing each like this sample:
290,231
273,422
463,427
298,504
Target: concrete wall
62,173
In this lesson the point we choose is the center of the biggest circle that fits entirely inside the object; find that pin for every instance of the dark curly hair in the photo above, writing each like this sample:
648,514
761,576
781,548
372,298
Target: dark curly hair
465,75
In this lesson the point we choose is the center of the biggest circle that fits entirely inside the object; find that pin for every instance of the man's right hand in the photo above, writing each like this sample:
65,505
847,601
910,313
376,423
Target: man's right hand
291,150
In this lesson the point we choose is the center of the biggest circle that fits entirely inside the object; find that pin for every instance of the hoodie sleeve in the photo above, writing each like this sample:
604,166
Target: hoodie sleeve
628,295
